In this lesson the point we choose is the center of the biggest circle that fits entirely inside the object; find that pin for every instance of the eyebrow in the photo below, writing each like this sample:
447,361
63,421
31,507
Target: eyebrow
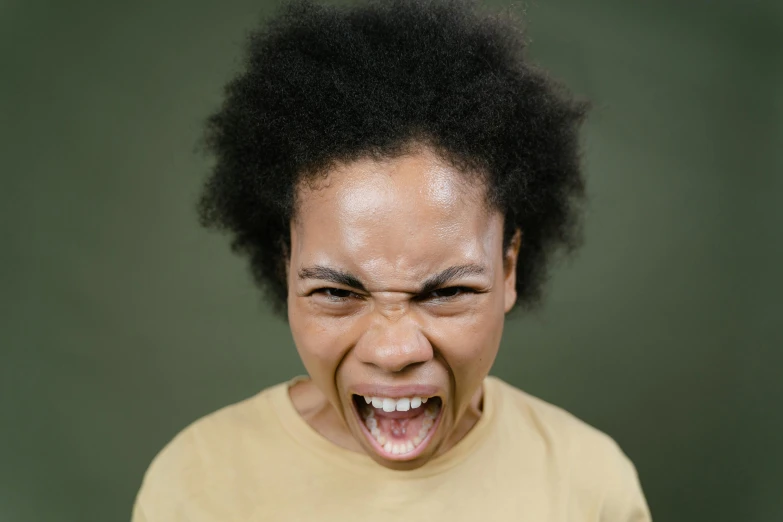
324,273
434,282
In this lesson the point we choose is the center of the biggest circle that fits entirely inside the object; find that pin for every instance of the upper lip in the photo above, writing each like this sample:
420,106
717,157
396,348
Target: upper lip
396,392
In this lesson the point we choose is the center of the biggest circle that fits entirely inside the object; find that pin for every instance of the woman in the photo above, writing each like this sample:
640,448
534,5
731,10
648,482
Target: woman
399,176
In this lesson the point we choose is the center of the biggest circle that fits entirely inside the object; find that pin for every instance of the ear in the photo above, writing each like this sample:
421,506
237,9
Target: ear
510,257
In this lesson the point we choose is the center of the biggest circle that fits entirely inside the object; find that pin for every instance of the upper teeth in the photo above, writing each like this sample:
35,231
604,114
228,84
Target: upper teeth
401,404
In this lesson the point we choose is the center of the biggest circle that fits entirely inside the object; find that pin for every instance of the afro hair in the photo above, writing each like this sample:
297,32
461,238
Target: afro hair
323,84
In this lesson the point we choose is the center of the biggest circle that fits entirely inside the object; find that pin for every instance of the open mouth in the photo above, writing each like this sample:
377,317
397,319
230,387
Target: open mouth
398,428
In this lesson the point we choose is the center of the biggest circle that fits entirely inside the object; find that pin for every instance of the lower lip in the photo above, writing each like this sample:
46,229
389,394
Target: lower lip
418,450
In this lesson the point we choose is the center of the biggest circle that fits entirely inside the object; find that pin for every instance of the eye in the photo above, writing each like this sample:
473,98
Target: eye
334,294
449,292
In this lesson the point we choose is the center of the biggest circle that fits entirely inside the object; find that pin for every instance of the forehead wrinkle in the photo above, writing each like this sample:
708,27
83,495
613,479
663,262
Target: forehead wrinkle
382,275
408,275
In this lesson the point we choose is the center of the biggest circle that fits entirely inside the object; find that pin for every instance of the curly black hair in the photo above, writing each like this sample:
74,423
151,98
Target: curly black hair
324,84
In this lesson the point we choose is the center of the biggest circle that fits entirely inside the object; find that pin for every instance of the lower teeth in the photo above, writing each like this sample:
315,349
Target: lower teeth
430,414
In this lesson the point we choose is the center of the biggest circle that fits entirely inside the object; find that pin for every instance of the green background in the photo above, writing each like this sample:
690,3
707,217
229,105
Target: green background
122,321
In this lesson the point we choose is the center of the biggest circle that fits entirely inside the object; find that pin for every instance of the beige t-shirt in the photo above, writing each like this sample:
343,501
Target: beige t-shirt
524,460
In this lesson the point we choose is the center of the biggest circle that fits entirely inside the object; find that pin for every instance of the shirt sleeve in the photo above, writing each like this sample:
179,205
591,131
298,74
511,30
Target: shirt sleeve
624,500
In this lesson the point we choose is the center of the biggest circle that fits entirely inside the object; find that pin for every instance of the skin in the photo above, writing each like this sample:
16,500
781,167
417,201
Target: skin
392,225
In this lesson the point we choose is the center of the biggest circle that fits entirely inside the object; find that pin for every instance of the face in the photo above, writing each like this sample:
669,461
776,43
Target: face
398,287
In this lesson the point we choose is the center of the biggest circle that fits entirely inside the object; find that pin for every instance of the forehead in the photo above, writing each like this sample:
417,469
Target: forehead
407,215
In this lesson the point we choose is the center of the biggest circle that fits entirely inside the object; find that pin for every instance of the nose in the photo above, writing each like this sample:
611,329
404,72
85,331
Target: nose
393,344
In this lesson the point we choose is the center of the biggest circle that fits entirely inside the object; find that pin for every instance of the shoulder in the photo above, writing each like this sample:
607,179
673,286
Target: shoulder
221,432
209,453
590,462
559,430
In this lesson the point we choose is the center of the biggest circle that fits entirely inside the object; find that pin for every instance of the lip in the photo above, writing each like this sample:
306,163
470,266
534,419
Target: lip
396,392
406,456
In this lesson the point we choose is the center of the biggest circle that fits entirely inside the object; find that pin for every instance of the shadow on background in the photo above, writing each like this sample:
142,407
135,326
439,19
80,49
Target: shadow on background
122,321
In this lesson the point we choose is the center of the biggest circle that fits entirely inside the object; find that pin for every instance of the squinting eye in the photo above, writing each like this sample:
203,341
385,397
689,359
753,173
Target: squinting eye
337,294
452,291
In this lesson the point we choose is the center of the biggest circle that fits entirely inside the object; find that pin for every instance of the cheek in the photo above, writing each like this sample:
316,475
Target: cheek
469,344
321,343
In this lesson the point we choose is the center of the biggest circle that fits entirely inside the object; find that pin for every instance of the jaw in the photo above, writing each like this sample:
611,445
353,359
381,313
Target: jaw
399,440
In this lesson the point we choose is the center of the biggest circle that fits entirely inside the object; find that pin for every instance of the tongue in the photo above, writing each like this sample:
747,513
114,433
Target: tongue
399,432
398,428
